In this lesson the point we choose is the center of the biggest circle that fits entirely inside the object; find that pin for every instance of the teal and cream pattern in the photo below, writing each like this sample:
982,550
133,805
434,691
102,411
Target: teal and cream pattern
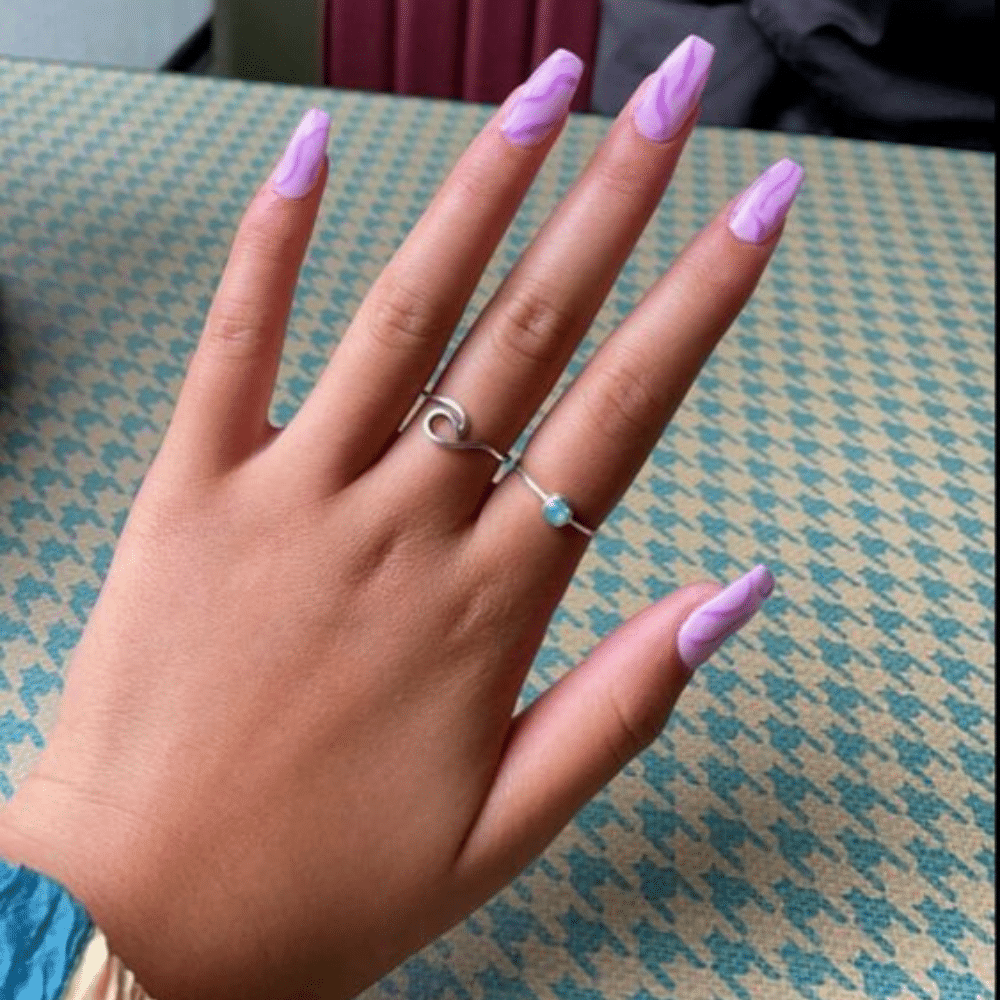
817,819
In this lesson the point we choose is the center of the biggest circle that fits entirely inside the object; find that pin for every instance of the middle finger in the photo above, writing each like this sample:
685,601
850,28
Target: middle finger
521,342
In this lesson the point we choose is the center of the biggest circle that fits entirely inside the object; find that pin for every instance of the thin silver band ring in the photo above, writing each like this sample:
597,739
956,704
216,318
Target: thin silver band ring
556,509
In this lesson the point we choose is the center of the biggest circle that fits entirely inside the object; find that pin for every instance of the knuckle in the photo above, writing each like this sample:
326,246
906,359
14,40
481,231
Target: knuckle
632,730
370,555
484,600
532,328
621,400
622,176
172,504
233,331
403,319
472,183
470,615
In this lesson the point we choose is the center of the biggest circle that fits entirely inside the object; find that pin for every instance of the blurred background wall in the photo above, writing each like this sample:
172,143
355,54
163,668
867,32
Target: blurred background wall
894,70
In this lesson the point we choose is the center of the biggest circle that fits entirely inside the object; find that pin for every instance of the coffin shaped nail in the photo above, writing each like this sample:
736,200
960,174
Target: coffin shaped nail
709,626
544,99
674,89
764,205
297,172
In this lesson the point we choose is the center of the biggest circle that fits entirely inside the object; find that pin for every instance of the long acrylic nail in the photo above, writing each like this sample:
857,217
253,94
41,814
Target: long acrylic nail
674,89
707,628
764,204
543,99
296,175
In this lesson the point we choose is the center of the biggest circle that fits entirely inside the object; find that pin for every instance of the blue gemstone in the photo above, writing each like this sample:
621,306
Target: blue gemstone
557,512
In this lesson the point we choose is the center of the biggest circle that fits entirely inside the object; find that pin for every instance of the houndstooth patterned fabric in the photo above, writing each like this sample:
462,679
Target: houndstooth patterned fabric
817,819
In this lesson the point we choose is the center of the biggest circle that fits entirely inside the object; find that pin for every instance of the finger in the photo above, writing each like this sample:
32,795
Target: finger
521,343
221,415
596,438
391,348
572,740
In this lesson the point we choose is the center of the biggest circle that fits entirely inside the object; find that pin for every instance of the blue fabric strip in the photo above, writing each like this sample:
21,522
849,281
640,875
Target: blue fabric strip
43,931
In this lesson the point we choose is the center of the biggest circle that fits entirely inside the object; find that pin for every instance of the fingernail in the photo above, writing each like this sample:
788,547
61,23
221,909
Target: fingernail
296,175
723,616
544,99
764,204
674,89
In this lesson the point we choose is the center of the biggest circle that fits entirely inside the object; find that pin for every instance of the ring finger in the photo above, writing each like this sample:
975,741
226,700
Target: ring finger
594,441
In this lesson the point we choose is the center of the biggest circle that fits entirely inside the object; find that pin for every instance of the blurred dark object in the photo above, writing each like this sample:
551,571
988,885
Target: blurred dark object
194,53
891,70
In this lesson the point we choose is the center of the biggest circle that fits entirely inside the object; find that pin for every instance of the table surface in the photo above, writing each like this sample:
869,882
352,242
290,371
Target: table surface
817,819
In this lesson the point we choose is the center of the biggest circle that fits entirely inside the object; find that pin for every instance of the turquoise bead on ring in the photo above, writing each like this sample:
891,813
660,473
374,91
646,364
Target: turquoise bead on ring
556,510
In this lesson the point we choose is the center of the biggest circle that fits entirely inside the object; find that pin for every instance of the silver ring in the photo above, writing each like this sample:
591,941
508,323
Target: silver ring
555,507
445,408
556,510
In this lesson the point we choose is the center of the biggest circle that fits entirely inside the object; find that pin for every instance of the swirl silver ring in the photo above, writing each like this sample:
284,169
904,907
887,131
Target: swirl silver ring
556,509
447,409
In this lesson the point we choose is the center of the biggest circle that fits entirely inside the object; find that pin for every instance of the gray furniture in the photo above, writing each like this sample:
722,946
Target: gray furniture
135,34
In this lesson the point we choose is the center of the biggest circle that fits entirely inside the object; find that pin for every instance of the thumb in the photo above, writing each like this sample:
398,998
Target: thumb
573,739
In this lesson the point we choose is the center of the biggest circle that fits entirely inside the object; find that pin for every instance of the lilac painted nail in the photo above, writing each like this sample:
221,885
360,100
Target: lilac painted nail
297,173
766,202
723,616
543,99
674,89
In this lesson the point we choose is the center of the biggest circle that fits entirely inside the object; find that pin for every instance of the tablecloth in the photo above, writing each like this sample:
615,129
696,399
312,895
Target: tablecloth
817,819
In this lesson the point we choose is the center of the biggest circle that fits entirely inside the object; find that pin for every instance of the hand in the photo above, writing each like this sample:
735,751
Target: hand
287,754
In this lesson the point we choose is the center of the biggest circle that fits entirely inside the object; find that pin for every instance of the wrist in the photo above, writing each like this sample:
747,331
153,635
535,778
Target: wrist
44,935
154,925
40,831
43,834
